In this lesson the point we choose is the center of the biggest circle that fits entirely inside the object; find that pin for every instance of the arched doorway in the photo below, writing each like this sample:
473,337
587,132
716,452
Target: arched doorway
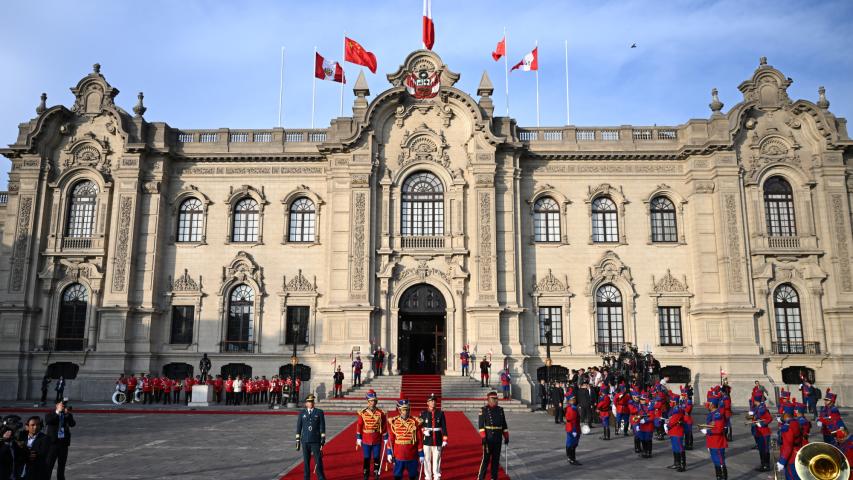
422,340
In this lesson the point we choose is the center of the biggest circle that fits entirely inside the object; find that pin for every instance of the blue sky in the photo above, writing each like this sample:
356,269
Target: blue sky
216,64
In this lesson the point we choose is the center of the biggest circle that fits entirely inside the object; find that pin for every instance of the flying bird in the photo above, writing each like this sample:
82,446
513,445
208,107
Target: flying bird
633,45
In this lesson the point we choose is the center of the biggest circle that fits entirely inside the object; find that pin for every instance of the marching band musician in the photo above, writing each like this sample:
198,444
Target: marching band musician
644,419
687,411
761,420
434,427
621,399
789,430
844,442
674,427
405,443
603,407
370,431
715,437
573,427
829,418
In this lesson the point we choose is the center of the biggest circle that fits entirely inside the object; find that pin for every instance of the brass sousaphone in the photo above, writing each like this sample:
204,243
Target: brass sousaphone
821,461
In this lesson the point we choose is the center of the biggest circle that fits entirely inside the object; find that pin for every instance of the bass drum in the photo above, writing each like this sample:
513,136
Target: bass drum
585,429
137,395
119,398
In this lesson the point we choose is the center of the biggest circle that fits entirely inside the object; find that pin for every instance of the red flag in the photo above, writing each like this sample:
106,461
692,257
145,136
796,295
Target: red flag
429,27
500,50
328,70
355,53
335,361
529,62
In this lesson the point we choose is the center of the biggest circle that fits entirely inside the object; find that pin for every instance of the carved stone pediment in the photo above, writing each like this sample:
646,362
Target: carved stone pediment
424,145
669,284
550,284
300,284
242,268
185,283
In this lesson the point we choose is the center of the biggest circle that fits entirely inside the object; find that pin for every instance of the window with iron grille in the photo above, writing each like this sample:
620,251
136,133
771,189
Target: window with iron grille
664,227
81,210
789,326
246,224
779,208
551,317
608,306
422,213
241,310
670,325
183,317
190,217
302,219
71,325
298,316
604,225
546,220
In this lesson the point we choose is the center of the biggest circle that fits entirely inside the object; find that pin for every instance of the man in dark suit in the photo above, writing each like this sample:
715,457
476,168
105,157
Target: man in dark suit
59,424
311,437
38,449
584,396
556,396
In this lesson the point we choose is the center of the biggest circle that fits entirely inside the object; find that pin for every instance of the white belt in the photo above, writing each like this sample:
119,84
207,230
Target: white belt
433,429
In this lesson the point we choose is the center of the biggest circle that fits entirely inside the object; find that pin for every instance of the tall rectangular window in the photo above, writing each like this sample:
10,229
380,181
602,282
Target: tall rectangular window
297,316
550,317
183,317
670,326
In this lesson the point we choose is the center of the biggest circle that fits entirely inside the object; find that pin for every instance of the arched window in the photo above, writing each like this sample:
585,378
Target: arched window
608,307
81,210
604,225
246,225
789,326
662,212
239,335
423,206
546,220
302,217
190,217
779,208
71,327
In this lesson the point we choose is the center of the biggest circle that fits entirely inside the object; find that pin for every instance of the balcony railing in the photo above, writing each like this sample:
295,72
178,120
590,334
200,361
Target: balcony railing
423,242
609,347
76,243
794,347
234,346
4,198
783,242
598,134
60,344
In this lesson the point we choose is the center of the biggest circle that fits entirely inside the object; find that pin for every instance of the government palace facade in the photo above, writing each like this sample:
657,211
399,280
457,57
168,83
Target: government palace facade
424,223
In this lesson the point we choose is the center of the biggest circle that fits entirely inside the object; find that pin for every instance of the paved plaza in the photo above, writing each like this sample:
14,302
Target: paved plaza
249,446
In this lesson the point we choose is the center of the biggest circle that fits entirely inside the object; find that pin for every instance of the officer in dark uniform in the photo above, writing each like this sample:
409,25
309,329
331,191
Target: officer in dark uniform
493,428
311,437
434,427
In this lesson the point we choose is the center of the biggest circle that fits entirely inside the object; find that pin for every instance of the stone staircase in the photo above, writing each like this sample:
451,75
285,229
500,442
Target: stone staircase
387,388
466,394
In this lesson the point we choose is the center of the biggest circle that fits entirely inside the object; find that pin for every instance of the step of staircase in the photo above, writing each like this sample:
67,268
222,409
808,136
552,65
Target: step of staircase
466,394
418,387
387,389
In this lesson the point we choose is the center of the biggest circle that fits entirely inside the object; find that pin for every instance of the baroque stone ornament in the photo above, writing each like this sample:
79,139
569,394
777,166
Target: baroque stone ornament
838,218
242,268
184,283
424,145
733,240
669,284
485,241
123,246
358,242
20,252
300,284
549,283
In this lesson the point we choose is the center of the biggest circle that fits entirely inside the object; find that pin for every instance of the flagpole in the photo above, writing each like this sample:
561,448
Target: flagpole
568,115
506,73
313,88
280,86
537,84
343,54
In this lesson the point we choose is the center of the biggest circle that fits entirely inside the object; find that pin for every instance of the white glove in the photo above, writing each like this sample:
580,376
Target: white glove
443,444
390,458
426,432
666,428
574,434
751,412
642,421
758,424
358,442
779,419
421,459
704,431
819,423
780,467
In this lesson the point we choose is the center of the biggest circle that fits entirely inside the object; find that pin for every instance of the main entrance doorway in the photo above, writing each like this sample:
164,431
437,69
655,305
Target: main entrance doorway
421,324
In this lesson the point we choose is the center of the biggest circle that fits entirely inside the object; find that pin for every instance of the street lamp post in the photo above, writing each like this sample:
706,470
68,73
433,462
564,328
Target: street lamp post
294,361
548,352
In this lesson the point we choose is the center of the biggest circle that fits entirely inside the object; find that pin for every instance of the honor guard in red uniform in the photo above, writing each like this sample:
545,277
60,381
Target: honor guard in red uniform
166,386
687,408
789,431
229,391
370,432
715,437
485,365
492,426
147,390
643,420
176,392
188,389
357,366
218,384
674,427
621,399
761,420
829,418
131,388
157,388
405,443
603,408
573,427
844,442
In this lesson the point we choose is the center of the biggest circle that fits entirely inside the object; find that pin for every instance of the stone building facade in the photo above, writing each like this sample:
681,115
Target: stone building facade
424,222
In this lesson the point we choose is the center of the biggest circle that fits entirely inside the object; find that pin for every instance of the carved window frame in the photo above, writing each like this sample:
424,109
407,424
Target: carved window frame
563,203
62,191
560,295
299,292
618,198
679,203
676,298
809,332
175,205
287,202
91,307
180,298
237,195
255,281
792,203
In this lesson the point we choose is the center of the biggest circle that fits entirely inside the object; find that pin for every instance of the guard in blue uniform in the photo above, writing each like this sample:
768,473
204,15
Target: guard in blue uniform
311,437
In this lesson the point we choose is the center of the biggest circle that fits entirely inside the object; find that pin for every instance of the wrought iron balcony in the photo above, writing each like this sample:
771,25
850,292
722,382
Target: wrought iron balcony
793,347
235,346
609,347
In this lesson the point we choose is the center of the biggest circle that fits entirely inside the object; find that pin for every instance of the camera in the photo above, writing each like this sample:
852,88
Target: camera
11,423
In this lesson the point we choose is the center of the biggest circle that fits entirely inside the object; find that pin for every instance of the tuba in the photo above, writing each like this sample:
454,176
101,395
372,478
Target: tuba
821,461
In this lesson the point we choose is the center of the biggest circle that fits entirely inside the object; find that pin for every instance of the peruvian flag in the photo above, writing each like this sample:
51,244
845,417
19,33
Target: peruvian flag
328,70
429,27
500,50
355,53
529,62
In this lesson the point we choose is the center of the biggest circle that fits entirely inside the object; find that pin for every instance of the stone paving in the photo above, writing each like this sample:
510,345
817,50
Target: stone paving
240,446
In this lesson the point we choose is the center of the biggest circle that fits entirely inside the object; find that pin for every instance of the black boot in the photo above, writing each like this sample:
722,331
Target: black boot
636,445
725,473
648,449
376,470
573,459
676,461
719,472
682,466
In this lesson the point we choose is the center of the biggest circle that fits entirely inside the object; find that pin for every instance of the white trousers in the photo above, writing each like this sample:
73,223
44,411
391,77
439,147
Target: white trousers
432,462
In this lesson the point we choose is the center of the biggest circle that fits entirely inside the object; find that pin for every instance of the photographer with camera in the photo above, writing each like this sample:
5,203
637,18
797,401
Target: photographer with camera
59,424
13,456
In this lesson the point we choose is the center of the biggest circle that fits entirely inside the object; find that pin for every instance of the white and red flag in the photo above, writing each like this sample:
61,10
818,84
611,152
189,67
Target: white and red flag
328,70
500,50
530,62
429,27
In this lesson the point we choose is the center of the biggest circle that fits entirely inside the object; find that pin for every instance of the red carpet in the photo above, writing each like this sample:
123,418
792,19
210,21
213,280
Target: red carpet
418,387
460,460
